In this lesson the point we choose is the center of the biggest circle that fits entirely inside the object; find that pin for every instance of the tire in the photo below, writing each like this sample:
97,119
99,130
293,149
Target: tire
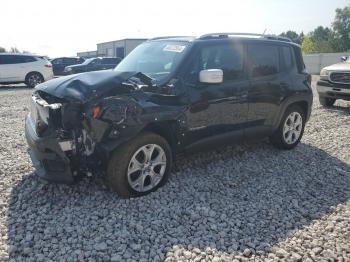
130,174
289,133
326,102
33,79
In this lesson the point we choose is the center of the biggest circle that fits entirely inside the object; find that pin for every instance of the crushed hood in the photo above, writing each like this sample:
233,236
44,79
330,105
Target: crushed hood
86,86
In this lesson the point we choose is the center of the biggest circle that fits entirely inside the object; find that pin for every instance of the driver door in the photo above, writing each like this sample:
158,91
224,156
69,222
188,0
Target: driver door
217,111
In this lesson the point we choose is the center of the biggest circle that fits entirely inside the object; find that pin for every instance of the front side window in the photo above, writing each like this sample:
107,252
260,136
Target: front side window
5,59
228,58
263,60
156,59
88,61
96,61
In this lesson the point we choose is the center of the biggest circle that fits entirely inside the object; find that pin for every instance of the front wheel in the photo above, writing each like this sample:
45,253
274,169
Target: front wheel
140,166
290,130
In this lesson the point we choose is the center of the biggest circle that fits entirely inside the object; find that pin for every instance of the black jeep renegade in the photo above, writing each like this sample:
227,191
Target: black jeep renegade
170,95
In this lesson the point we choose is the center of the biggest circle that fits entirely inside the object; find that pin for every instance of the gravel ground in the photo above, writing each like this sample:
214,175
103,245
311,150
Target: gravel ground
239,203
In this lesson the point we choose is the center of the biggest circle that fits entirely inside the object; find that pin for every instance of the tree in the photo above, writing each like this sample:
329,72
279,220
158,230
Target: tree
341,28
308,45
14,50
2,50
294,36
322,34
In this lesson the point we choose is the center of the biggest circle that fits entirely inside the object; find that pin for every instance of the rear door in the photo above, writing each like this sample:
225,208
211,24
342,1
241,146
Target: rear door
268,87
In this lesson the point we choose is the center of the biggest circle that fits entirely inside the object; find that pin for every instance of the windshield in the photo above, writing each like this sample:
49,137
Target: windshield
87,61
154,59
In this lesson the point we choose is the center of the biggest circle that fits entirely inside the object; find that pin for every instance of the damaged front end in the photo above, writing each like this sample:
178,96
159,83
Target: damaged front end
68,131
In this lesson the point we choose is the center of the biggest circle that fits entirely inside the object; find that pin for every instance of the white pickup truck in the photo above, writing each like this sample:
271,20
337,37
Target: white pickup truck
334,83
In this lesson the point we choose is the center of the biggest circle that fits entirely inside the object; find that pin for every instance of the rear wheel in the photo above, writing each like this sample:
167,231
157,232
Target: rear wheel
33,79
291,128
326,102
139,167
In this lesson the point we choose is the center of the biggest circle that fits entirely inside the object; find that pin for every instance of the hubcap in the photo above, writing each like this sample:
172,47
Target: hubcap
34,80
292,128
146,168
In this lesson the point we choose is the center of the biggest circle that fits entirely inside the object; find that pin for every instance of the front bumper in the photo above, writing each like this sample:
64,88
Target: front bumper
330,90
49,160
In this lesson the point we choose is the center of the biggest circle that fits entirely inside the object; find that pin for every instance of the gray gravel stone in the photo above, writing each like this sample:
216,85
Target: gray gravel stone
238,203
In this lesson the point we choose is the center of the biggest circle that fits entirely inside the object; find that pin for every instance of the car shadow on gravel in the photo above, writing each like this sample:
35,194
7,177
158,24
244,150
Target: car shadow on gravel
247,196
13,87
342,109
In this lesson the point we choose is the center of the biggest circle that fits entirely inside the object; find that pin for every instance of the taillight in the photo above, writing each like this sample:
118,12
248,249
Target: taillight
49,66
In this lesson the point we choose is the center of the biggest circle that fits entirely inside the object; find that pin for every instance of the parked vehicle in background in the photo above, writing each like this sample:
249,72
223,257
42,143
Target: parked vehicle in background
93,64
334,83
59,63
169,95
23,68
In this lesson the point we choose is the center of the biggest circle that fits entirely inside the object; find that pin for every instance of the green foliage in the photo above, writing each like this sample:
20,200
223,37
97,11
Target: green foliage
341,28
14,50
2,50
308,45
294,36
325,39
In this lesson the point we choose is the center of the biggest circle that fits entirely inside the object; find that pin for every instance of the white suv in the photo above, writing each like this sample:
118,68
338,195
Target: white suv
22,68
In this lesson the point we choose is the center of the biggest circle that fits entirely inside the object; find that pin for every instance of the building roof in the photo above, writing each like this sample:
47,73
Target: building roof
125,39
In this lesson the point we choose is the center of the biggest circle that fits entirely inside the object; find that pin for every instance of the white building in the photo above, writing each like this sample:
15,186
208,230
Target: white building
118,48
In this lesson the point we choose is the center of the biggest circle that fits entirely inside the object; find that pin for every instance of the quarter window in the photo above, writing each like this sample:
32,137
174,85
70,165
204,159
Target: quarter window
264,60
287,57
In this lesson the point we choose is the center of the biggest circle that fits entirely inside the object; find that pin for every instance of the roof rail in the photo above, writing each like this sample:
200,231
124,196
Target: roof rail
226,35
165,37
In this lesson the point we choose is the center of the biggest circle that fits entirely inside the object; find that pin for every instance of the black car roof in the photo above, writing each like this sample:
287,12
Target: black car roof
228,37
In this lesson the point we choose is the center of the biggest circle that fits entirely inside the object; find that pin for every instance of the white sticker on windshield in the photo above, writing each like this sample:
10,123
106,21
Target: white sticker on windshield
174,48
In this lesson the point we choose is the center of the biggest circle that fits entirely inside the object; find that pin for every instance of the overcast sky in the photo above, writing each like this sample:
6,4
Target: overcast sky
64,27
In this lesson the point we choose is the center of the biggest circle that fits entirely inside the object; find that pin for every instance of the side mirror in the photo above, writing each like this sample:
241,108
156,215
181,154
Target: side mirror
211,76
344,58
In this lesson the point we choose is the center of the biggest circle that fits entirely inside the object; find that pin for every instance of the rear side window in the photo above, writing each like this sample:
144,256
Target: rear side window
228,58
299,59
28,59
263,60
16,59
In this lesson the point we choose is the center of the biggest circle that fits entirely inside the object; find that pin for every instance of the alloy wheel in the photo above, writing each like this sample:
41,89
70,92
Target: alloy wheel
292,128
146,168
34,80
